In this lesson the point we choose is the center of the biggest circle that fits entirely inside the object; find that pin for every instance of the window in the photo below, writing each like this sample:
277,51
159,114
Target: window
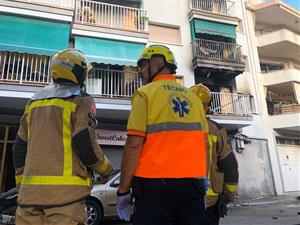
268,68
164,34
287,141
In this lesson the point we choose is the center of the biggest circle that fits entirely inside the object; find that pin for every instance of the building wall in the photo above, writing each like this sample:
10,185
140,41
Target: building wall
175,13
262,126
255,176
257,150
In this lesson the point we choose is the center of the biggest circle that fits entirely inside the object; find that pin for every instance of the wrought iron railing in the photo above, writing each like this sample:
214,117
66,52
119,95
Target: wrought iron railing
112,16
218,51
231,104
214,6
69,4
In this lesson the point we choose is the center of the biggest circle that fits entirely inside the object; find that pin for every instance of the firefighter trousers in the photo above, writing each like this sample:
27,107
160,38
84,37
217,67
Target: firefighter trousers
71,214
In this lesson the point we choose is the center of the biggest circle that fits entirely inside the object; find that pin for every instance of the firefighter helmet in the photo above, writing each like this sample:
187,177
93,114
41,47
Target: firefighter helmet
69,66
161,50
203,93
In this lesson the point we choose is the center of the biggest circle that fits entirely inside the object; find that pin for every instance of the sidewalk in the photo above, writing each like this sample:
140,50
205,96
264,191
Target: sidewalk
263,200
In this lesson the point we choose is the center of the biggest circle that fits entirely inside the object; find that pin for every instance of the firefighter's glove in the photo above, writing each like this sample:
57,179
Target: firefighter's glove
123,205
222,204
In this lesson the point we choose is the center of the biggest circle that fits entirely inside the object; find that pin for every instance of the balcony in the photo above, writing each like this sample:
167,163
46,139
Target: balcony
231,104
33,70
278,40
233,111
215,10
282,107
61,10
92,16
213,6
284,116
280,73
215,58
21,75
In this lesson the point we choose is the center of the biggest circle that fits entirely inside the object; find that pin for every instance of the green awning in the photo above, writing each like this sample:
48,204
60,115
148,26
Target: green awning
214,28
33,36
109,51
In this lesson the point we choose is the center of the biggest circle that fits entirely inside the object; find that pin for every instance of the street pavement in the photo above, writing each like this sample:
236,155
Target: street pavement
268,210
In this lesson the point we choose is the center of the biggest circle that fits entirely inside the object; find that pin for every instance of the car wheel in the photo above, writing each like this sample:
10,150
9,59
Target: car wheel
94,212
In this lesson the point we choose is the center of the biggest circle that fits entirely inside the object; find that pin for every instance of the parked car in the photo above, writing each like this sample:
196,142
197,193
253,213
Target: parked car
102,202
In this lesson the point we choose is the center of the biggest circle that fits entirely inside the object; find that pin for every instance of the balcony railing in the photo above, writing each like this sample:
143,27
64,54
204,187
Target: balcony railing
217,51
214,6
231,104
111,16
69,4
112,83
28,69
24,68
282,107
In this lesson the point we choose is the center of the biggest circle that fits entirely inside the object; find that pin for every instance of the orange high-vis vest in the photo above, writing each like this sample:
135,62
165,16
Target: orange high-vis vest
175,131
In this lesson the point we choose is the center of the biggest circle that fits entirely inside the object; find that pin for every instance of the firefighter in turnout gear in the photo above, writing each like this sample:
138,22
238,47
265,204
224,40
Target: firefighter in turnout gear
223,167
55,149
165,152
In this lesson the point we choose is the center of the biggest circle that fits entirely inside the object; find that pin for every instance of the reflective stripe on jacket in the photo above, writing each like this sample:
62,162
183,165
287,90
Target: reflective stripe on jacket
175,132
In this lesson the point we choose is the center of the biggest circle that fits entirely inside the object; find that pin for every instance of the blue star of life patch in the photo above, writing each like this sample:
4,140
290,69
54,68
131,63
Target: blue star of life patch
180,105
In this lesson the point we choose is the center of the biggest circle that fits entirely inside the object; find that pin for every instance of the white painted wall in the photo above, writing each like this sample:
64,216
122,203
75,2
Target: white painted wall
282,76
175,12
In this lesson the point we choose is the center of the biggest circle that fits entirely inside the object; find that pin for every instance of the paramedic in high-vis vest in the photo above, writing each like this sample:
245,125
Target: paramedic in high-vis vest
165,153
55,149
223,167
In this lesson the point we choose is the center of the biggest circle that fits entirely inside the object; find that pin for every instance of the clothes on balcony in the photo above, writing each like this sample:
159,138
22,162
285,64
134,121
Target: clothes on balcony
207,51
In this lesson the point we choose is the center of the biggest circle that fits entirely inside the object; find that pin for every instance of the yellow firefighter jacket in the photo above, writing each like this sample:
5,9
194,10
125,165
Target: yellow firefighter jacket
220,154
55,171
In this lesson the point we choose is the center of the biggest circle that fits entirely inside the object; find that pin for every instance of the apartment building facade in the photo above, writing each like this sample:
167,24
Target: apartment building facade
210,39
274,33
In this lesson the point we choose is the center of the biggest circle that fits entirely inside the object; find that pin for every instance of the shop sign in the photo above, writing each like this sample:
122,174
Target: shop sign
111,137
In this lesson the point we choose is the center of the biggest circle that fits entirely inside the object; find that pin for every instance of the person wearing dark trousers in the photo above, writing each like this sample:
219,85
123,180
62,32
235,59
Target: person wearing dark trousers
165,152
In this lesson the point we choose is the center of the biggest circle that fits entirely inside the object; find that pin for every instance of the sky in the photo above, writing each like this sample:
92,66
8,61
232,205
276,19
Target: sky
293,3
